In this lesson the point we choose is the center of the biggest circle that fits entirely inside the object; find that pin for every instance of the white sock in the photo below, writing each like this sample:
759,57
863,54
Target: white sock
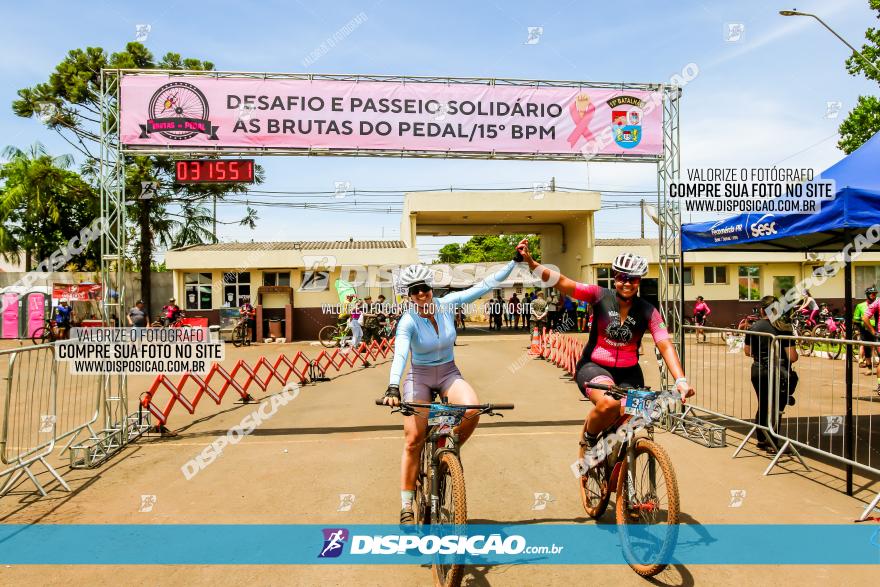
406,498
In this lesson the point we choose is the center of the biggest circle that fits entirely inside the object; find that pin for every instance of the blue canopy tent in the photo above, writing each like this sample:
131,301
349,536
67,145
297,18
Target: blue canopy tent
855,208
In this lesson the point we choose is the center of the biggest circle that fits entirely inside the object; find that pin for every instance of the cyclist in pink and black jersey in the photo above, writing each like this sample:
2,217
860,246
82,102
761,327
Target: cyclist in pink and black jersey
620,319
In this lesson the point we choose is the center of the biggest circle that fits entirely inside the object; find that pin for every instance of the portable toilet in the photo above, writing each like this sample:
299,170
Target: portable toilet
35,308
9,322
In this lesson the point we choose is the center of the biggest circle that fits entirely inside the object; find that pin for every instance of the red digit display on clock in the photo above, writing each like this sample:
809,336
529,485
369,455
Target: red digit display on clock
214,171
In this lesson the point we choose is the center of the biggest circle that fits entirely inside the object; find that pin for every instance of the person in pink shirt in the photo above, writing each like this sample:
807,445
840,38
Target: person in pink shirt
701,312
873,313
620,319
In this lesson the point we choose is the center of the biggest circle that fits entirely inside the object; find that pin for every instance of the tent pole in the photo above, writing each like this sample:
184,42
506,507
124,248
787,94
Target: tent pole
848,432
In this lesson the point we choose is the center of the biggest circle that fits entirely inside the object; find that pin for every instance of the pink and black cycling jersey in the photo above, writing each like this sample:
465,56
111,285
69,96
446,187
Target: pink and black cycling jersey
612,344
702,308
873,310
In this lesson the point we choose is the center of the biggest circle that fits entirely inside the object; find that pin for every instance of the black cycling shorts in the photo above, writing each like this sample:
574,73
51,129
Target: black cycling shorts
623,376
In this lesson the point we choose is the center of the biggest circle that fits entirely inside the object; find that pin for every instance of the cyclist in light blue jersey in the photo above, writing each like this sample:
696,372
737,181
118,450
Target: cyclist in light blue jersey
427,330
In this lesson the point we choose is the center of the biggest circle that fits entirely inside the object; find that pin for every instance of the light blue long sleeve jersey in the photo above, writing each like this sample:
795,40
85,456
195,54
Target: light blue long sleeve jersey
430,347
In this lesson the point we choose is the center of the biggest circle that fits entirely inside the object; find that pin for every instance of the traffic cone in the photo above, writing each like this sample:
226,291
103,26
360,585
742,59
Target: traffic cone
535,349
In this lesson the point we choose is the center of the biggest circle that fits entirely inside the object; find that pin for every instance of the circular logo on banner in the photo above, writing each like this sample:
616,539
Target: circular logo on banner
178,111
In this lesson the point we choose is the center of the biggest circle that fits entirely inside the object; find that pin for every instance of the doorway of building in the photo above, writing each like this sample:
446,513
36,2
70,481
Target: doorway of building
649,291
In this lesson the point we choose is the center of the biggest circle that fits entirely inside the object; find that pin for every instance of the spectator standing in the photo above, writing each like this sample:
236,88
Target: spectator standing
701,312
63,316
137,316
866,358
758,347
499,304
582,316
553,310
568,310
513,310
539,311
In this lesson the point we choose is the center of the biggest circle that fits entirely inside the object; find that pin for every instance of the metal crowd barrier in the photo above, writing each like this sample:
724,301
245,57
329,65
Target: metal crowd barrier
30,424
725,390
825,419
818,417
44,405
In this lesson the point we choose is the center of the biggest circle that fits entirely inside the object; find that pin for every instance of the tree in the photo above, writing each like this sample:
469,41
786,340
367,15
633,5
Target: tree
68,103
863,121
487,248
43,204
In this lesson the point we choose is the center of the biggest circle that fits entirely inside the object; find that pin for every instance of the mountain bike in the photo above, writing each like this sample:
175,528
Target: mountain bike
163,322
45,333
241,333
440,494
335,335
640,472
744,324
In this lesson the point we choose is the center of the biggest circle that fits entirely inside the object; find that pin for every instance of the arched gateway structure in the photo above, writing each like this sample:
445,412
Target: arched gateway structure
189,114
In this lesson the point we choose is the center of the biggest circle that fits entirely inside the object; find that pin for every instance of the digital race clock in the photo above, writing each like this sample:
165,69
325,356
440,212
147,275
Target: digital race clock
214,171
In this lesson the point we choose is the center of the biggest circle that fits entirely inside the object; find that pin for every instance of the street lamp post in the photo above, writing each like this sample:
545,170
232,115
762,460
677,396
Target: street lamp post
832,31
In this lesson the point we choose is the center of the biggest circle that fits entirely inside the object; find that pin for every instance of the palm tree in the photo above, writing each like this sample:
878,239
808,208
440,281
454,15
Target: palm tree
42,203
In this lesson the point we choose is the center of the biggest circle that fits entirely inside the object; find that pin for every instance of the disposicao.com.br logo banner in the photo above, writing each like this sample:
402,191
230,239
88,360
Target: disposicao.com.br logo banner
309,544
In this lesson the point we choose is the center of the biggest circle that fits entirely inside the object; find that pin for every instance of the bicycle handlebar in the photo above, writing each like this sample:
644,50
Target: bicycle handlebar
617,391
380,402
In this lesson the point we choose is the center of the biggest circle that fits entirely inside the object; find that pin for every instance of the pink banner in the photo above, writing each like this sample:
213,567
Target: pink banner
387,115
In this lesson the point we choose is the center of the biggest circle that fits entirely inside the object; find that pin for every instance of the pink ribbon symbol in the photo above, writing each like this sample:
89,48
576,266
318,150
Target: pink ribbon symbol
581,122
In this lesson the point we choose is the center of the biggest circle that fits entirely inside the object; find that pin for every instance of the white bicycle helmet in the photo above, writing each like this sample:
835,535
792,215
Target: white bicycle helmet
416,275
630,263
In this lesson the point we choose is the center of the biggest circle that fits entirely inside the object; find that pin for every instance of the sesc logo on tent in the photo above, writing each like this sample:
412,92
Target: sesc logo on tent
763,229
453,544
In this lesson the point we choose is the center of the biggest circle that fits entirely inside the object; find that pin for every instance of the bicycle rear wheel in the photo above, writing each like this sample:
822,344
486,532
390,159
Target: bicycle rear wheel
453,511
237,336
804,345
329,336
594,486
42,335
647,495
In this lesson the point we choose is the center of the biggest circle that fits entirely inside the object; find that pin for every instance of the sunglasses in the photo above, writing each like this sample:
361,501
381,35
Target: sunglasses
421,288
627,278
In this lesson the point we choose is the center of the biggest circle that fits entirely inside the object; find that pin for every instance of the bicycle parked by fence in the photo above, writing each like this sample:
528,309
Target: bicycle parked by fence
335,335
241,333
640,472
162,322
440,493
45,333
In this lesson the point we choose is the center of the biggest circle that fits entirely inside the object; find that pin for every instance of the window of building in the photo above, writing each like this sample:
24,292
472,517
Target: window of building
197,291
235,287
604,278
714,274
749,283
781,284
688,275
276,278
866,277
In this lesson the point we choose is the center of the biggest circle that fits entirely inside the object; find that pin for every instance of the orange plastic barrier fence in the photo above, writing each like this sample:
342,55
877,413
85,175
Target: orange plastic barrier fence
218,380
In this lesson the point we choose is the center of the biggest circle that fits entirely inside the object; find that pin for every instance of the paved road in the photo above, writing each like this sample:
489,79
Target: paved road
332,440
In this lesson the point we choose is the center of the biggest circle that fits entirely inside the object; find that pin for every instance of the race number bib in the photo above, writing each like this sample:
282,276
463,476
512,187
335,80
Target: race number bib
639,402
440,415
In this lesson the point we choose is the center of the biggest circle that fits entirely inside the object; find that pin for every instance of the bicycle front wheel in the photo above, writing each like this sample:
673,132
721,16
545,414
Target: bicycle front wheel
452,511
647,495
329,336
595,490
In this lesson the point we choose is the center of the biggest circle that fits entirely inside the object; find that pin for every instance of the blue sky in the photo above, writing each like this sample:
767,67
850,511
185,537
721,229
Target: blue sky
756,102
